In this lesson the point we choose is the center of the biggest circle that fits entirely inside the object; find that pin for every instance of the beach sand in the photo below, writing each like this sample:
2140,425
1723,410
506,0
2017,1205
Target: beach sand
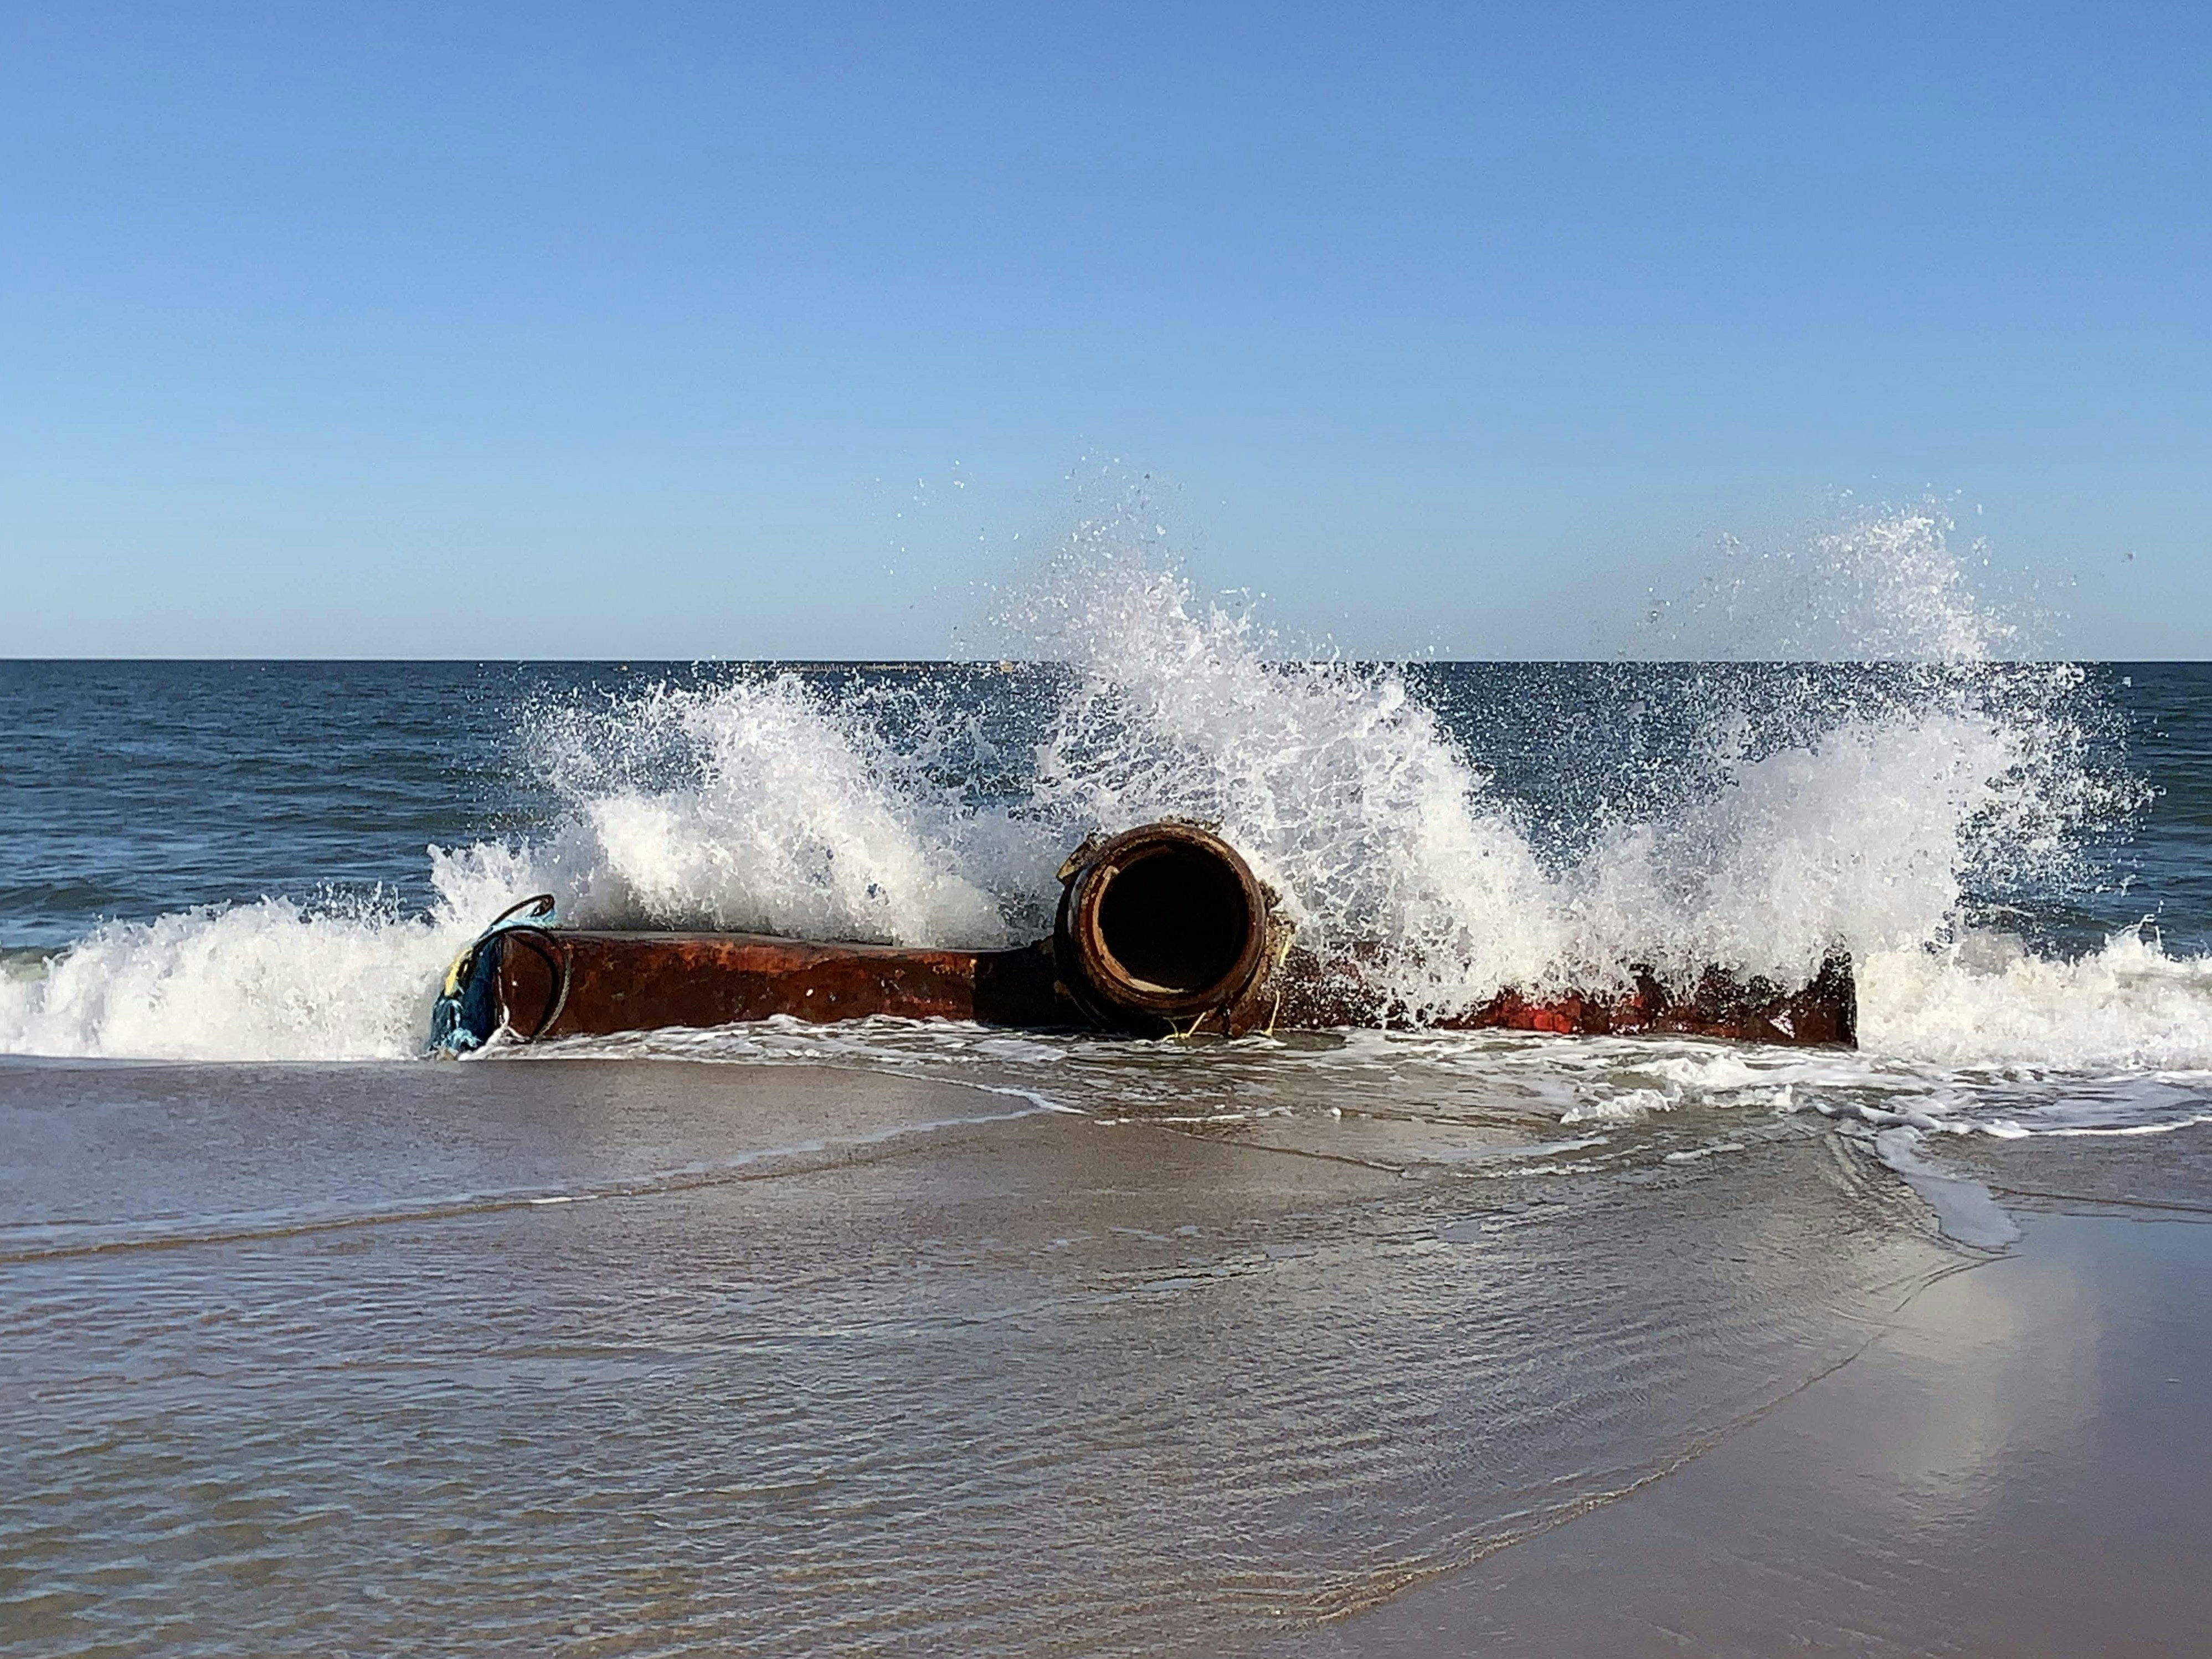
2020,1464
640,1358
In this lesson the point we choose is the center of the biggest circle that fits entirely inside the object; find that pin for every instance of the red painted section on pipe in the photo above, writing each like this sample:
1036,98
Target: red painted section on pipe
1316,995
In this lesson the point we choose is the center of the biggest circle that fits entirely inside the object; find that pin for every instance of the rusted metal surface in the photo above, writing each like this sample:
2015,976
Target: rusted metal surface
1165,928
1316,995
593,983
1162,929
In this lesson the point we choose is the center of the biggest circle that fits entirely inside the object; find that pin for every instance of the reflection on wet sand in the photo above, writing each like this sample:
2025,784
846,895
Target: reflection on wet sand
2018,1466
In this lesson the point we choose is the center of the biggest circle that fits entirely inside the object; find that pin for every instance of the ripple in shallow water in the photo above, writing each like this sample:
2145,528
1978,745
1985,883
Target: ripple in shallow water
1033,1384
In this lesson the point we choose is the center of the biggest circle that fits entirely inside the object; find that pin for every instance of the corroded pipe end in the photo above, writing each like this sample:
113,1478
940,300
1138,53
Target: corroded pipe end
1161,925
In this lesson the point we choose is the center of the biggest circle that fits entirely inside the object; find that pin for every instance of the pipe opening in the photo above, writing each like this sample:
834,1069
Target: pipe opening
1174,921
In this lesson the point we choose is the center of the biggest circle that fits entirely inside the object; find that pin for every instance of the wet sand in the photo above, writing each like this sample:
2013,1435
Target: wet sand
2021,1464
640,1357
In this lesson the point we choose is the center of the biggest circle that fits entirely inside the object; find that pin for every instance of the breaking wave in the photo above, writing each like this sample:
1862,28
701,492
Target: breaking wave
1892,811
270,981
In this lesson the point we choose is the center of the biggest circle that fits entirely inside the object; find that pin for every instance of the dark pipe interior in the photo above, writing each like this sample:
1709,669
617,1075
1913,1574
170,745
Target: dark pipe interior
1175,920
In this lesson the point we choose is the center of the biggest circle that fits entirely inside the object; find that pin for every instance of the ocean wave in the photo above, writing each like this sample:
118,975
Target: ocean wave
1868,822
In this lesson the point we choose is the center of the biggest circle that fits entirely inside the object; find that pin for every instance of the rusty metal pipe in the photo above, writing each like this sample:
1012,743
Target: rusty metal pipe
1165,928
1162,929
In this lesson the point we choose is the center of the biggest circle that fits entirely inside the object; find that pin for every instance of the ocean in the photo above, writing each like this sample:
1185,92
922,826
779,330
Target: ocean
888,1336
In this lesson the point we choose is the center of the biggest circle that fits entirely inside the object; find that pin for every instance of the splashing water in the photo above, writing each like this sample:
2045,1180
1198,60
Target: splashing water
1344,790
1898,812
755,807
270,981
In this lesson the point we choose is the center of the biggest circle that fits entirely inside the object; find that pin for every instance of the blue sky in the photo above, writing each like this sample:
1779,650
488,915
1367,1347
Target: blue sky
677,331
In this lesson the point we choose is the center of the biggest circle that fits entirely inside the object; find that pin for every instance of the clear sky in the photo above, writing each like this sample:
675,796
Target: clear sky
680,330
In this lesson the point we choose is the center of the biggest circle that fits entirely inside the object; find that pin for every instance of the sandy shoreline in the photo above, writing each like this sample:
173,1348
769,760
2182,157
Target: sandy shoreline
640,1358
2021,1463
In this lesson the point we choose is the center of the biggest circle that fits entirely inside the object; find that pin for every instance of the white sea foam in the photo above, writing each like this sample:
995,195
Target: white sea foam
757,805
270,981
1989,1004
1344,790
768,804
